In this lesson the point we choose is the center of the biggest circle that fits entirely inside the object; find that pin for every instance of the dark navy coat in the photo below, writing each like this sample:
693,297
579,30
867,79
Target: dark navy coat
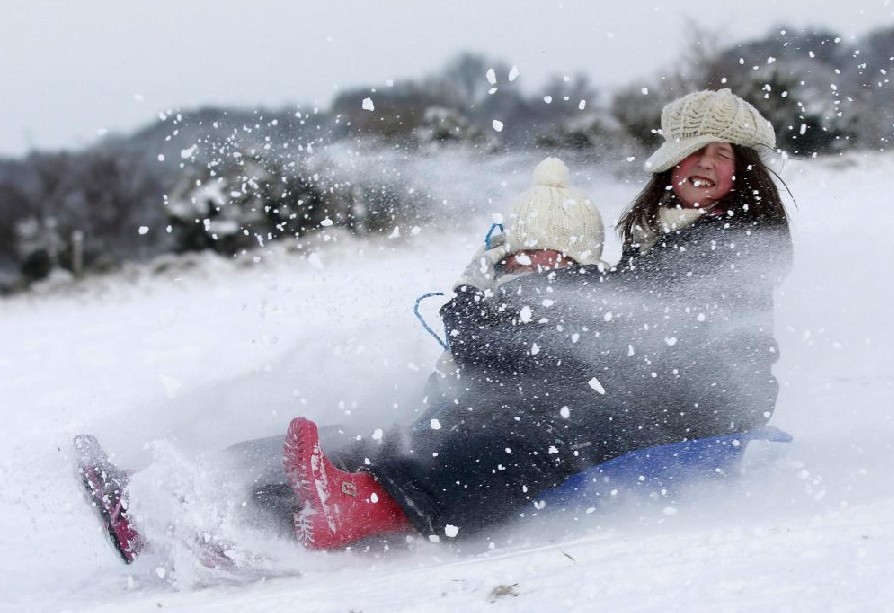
562,370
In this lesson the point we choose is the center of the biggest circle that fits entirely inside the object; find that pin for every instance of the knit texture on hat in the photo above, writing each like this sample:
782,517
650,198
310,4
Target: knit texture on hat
552,215
691,122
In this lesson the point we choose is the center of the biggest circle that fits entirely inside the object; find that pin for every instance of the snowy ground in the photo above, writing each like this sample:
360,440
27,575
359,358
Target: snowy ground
168,368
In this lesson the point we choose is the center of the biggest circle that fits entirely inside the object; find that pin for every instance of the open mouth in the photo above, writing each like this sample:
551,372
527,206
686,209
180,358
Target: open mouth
701,182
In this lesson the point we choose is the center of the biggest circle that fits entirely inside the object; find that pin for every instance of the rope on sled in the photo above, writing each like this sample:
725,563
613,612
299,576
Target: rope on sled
442,342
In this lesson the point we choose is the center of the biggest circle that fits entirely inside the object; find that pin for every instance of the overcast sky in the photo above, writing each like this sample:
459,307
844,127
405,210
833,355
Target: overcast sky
71,70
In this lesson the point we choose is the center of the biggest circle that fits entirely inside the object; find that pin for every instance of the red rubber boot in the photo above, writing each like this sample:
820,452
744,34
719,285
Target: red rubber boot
338,508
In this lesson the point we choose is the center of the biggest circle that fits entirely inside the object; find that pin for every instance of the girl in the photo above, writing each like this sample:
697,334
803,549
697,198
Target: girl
569,368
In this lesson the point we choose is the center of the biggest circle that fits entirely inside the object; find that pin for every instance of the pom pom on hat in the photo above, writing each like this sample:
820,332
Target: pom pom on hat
551,172
551,215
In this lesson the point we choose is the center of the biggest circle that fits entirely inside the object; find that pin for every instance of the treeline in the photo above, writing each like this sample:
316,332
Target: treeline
230,179
822,95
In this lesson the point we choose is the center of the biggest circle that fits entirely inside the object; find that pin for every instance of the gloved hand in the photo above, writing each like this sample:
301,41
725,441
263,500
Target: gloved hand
481,271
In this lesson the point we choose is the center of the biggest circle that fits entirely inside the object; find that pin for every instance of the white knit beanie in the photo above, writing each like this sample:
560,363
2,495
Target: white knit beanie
691,122
551,215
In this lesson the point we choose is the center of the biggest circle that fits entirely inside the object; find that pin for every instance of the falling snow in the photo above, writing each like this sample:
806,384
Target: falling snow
596,385
204,355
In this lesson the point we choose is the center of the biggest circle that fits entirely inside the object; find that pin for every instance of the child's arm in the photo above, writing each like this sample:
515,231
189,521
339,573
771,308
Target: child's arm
481,273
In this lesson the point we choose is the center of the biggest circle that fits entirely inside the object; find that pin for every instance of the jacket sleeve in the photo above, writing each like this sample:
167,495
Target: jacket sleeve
540,323
479,330
710,332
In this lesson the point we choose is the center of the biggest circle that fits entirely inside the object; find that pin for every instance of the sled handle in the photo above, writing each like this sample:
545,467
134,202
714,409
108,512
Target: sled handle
490,233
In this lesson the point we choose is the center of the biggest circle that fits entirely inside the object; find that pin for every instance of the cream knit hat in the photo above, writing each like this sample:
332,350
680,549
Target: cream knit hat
551,215
691,122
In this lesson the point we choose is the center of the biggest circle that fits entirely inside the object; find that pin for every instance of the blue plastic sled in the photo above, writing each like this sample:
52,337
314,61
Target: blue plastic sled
660,467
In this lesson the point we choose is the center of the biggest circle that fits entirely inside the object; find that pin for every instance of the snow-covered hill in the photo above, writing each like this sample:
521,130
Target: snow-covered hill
168,367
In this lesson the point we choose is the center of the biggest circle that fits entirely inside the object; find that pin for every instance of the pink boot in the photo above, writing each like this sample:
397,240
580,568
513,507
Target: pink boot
338,508
105,483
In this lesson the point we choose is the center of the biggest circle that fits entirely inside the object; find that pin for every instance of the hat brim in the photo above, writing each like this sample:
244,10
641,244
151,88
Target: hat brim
672,153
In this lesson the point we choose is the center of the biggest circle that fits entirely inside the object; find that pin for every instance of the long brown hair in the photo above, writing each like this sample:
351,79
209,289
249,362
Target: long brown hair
754,197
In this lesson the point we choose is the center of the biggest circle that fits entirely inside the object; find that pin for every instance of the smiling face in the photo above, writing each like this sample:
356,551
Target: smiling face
705,176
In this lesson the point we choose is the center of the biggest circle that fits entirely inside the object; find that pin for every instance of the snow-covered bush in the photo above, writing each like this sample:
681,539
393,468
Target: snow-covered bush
245,200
